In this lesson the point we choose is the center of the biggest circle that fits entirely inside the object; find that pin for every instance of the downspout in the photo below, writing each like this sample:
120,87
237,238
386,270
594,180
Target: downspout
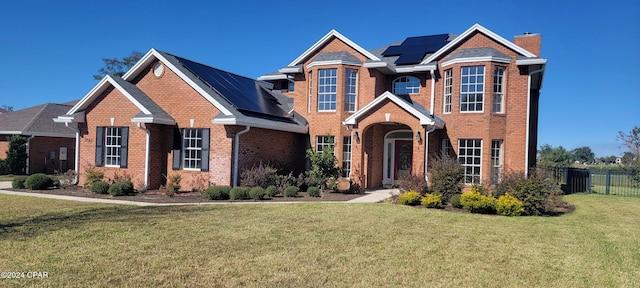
146,154
236,148
433,90
426,152
76,158
28,153
526,155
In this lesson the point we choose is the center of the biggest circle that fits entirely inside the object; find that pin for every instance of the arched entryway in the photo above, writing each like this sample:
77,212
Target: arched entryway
398,155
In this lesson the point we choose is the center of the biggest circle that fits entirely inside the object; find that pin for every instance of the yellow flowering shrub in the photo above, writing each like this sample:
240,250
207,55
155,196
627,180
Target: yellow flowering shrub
508,205
431,201
410,197
475,202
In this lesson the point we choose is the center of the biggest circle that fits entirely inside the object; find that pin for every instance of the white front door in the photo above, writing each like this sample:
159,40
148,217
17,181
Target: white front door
398,151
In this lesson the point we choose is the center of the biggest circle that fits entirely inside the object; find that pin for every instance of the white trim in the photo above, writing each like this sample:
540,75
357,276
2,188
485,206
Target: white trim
429,67
424,119
325,39
274,77
380,64
36,134
476,59
263,124
481,29
526,147
290,70
385,161
331,62
534,61
151,119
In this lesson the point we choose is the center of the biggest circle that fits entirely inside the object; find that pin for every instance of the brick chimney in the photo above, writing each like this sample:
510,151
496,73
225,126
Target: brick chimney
529,41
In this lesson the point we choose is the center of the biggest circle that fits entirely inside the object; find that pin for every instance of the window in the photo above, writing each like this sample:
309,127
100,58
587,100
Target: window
310,91
446,148
194,153
346,156
406,85
470,157
327,87
112,146
292,86
350,90
324,142
498,89
471,88
447,90
496,161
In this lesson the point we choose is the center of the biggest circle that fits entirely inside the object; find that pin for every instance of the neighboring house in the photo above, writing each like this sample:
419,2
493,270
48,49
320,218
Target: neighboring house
170,115
50,146
388,111
2,111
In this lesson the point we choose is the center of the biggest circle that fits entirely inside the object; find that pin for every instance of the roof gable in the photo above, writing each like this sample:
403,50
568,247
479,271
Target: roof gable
324,40
413,108
36,121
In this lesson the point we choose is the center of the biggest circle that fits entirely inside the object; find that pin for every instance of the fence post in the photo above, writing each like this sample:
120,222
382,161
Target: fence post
588,188
608,181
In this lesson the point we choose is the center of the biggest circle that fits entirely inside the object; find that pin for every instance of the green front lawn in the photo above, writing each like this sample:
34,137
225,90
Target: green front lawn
317,245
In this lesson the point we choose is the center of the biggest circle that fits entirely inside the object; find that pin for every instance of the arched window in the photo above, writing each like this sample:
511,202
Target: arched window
406,85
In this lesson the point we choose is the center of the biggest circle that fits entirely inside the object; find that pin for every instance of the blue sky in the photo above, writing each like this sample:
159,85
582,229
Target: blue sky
51,50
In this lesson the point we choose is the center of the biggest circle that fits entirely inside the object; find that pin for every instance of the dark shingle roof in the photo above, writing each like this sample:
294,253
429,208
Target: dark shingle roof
156,111
342,56
477,52
37,120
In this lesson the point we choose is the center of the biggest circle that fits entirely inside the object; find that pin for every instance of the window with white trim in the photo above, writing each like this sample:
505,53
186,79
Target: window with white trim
310,91
496,161
192,146
472,89
406,85
346,156
327,87
448,80
323,142
112,146
446,148
498,89
350,90
470,157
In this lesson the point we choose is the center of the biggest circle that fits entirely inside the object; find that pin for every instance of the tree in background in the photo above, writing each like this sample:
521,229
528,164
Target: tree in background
556,157
16,161
117,67
7,108
583,155
632,141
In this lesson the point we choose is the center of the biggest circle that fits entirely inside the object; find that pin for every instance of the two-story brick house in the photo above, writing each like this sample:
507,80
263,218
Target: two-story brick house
389,110
386,112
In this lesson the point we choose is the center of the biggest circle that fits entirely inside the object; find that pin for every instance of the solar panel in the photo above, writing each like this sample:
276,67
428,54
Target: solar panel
413,49
242,92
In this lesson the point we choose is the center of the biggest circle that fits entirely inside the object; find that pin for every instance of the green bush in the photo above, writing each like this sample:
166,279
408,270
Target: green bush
508,205
411,198
313,191
475,202
262,175
217,192
271,191
431,201
256,193
238,193
121,188
38,181
537,193
18,182
291,191
92,174
455,201
100,187
446,177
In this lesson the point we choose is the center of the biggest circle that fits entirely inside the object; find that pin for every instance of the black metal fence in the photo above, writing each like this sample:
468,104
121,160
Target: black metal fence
609,182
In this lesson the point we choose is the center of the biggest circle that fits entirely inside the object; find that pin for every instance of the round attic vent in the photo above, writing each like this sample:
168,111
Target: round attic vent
158,70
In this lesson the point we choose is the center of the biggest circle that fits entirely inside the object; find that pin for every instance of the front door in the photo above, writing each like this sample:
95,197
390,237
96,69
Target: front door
403,156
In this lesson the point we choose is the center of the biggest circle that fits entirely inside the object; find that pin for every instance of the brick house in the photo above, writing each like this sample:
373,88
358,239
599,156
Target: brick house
387,111
50,147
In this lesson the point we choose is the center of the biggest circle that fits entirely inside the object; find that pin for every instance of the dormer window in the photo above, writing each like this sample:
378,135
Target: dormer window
406,85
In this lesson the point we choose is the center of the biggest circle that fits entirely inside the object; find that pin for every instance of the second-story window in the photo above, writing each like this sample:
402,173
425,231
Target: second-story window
406,85
498,89
472,89
447,91
327,87
350,90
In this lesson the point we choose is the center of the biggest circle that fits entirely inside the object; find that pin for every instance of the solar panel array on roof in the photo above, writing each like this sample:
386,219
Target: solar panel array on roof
413,49
242,92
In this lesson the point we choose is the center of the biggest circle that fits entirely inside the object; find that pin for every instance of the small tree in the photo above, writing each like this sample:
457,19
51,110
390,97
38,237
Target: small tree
117,67
323,166
632,162
446,177
17,155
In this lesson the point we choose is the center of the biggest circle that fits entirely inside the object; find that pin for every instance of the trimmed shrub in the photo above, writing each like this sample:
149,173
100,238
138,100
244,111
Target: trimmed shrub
271,191
92,174
537,193
409,182
18,182
256,193
455,201
446,177
121,188
100,187
238,193
508,205
475,202
38,181
431,201
313,191
291,191
217,192
262,175
411,198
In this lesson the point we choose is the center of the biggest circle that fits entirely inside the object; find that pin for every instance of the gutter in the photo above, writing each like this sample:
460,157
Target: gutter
236,148
146,154
526,155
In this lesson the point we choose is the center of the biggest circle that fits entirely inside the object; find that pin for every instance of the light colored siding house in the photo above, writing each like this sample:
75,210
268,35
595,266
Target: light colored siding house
388,111
170,115
50,146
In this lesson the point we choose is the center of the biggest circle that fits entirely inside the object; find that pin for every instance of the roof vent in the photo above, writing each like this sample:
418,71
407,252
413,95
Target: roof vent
527,33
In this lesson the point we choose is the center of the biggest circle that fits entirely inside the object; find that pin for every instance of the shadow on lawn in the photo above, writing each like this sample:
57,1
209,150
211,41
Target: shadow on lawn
27,227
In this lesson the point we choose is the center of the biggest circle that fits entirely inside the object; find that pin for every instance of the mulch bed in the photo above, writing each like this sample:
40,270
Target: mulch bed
158,196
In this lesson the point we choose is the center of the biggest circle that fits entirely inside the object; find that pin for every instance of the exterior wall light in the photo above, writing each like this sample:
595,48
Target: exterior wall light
418,136
355,136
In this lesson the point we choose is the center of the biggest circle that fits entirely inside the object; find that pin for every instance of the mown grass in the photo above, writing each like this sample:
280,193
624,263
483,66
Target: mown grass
317,245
